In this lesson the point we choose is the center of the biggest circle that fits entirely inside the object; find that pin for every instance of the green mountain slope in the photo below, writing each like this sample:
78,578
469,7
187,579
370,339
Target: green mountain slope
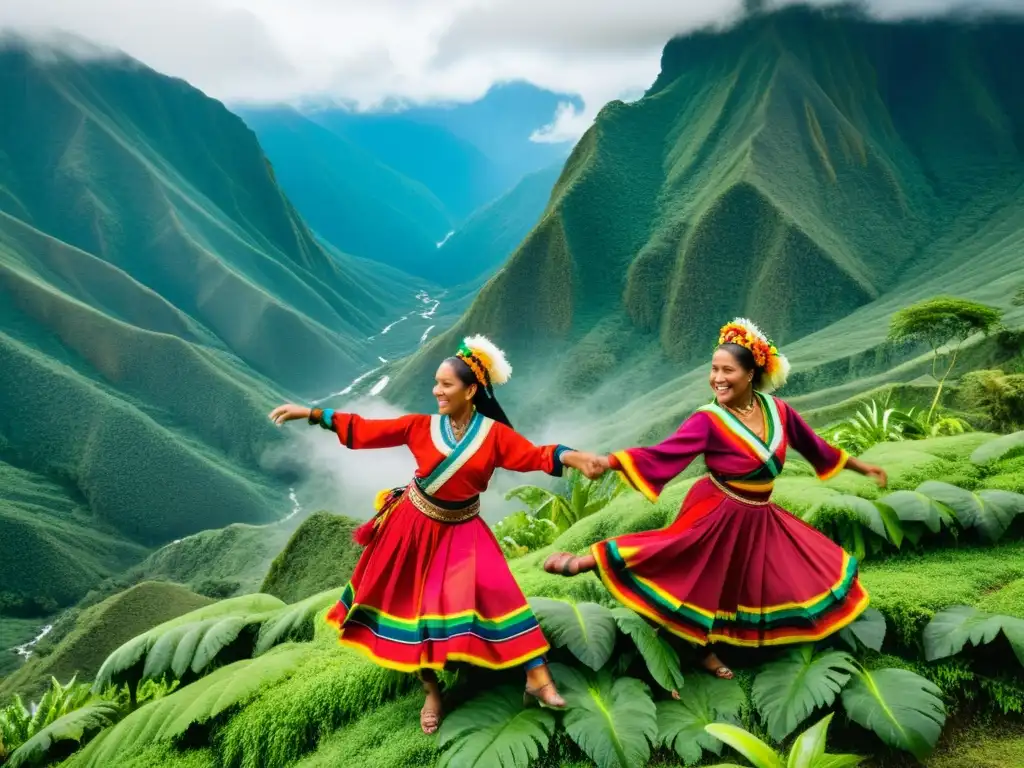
158,293
347,195
814,171
99,630
461,176
483,243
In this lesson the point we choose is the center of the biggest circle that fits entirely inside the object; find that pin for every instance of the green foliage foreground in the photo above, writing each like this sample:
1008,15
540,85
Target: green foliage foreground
254,681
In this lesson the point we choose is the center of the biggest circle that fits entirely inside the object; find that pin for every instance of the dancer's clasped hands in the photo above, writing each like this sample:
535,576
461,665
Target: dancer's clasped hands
595,466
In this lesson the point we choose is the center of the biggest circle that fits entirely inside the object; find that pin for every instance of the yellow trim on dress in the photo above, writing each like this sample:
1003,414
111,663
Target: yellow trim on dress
840,465
633,475
466,658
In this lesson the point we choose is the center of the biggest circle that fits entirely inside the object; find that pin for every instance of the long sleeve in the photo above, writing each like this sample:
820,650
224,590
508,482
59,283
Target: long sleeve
514,452
356,432
826,459
649,470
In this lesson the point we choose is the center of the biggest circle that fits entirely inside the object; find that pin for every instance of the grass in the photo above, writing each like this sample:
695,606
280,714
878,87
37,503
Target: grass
318,556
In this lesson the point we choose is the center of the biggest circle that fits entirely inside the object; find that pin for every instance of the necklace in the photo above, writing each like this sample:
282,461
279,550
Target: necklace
459,429
749,409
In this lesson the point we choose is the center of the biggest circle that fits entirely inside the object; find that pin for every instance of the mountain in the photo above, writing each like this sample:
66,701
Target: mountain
392,185
502,123
158,294
812,170
348,195
499,125
461,176
483,243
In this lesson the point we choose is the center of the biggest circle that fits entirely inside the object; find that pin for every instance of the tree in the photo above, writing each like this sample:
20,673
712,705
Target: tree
944,323
1018,297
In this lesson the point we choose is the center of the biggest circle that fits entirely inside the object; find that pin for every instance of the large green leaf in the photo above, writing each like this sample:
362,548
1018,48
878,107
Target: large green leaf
494,730
294,622
126,663
747,744
903,708
952,628
191,647
537,500
990,511
170,716
614,721
868,629
661,658
911,506
788,690
879,518
703,701
73,726
808,751
996,449
587,629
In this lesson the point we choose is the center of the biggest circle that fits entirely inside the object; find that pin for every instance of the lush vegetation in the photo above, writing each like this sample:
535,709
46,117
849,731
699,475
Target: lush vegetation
254,681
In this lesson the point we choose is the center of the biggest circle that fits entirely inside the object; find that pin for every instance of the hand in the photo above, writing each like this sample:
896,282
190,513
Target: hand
288,412
877,474
595,466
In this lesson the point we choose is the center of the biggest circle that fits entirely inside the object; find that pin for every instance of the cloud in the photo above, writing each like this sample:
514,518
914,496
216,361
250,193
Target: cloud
369,52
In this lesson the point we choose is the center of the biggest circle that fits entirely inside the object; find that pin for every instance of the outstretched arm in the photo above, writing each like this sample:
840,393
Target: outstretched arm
827,460
649,470
516,453
352,429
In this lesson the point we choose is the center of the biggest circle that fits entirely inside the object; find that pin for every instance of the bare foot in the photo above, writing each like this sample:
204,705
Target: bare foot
714,665
541,686
430,715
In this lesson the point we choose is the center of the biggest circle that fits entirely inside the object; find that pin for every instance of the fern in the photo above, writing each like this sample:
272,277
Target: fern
170,716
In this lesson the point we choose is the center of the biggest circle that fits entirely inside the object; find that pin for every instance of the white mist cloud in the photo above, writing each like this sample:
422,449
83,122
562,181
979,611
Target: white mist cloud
345,482
367,52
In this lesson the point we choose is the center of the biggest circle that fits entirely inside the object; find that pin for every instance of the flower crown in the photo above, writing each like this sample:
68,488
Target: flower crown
485,360
767,357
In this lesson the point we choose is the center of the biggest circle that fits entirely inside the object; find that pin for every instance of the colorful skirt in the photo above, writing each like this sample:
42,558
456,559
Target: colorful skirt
728,571
426,593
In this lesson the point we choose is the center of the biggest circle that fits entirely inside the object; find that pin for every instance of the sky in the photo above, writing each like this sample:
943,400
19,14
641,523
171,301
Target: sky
366,52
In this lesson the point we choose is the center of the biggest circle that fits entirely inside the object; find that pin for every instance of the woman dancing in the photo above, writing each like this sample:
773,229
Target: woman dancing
733,567
432,585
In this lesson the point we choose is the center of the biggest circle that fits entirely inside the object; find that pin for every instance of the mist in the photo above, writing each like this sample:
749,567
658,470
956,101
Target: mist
345,482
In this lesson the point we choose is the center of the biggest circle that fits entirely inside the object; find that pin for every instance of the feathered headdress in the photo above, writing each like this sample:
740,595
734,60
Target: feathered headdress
485,360
767,357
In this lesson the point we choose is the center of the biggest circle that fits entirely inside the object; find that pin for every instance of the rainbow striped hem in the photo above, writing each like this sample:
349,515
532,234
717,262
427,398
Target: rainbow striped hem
750,626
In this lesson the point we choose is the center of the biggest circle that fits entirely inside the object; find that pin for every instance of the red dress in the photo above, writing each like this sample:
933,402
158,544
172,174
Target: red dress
427,592
733,567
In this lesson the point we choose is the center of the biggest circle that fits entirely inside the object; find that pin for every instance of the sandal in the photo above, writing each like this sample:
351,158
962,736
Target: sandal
551,699
564,560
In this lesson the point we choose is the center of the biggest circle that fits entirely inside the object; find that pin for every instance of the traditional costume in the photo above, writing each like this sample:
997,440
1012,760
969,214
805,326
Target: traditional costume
734,567
432,585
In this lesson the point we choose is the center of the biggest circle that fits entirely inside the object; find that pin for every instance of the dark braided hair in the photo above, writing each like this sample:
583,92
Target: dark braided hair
484,400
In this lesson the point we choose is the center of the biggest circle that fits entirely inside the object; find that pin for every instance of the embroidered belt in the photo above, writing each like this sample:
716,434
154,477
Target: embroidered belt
720,485
433,508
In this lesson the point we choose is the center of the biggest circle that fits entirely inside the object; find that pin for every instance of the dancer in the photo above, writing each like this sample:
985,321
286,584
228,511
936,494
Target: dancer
733,567
433,586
